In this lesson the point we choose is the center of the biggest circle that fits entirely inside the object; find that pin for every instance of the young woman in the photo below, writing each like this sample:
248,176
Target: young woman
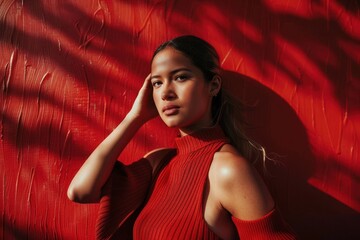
206,188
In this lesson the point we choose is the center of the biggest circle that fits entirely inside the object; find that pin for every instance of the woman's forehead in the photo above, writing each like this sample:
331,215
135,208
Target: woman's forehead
170,57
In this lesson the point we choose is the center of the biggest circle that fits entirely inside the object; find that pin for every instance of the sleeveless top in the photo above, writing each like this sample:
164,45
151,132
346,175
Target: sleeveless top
175,207
168,204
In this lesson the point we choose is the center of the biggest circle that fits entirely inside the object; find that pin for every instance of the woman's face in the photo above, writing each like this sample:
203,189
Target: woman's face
181,95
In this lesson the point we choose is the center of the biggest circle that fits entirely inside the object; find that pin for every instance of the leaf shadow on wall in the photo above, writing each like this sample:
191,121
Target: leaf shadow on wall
66,51
31,232
352,6
308,209
88,77
275,125
309,46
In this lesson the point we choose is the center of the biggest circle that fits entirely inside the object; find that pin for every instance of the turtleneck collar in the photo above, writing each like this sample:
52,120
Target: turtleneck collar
199,139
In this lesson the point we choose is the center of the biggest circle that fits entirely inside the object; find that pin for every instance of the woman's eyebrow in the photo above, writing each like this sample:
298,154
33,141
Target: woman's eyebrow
180,69
172,72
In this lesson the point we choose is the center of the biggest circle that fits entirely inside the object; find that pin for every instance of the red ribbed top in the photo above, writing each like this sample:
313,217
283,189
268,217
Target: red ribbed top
269,227
174,210
122,197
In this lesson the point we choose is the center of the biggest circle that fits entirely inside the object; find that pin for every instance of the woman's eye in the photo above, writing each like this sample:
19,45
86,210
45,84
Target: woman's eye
181,78
156,84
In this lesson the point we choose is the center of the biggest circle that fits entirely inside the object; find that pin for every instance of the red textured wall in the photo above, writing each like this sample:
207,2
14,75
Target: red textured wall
69,71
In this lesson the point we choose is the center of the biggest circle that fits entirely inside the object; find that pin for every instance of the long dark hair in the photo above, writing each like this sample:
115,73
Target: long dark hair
226,111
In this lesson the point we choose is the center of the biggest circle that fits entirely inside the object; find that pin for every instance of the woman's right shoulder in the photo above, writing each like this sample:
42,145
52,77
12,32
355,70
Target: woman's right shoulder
157,156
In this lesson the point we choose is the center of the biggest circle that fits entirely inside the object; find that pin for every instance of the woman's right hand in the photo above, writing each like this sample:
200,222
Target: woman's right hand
87,183
144,107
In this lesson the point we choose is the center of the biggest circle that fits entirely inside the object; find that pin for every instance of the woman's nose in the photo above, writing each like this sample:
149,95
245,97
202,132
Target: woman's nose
168,92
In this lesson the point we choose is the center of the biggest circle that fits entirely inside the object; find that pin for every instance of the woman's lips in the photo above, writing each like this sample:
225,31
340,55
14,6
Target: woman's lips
170,110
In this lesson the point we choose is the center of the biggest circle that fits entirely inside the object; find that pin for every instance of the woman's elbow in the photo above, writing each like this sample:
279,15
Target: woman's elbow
81,196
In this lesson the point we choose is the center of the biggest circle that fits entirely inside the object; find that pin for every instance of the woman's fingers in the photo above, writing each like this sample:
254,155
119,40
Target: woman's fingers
144,104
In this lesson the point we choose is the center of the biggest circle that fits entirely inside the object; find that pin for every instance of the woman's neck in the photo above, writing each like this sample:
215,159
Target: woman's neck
189,130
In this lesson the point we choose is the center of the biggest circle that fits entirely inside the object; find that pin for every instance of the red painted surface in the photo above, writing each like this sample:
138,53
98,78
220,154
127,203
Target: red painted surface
69,71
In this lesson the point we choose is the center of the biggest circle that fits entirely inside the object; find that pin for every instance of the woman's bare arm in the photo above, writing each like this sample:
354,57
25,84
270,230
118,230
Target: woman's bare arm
87,184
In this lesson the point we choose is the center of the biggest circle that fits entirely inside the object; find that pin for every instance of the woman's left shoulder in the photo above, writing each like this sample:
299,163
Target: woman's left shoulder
238,186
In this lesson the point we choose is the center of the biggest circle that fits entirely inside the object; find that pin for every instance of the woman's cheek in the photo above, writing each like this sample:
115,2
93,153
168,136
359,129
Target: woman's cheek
156,101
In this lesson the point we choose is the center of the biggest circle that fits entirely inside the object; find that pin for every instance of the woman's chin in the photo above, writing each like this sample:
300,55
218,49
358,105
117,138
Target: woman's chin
172,123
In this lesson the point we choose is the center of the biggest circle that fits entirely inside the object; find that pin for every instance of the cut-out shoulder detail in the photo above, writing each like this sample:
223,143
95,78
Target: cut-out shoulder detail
233,177
155,151
156,156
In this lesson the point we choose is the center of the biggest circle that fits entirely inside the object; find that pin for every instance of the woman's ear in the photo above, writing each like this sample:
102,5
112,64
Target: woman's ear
215,85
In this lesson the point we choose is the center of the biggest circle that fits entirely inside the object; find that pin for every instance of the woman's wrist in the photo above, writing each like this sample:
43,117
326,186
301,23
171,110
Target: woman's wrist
134,119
